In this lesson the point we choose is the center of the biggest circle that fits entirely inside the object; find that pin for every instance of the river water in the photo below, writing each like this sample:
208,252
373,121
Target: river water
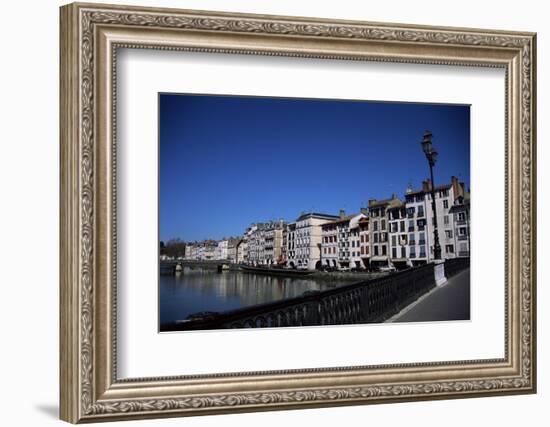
198,289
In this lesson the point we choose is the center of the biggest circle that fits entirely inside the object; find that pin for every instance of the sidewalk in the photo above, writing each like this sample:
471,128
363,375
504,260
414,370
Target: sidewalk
448,302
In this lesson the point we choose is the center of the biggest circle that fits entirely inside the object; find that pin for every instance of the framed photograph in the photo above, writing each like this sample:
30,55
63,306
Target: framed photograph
266,212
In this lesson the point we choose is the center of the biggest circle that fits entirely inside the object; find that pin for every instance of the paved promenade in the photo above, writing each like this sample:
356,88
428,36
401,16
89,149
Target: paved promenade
448,302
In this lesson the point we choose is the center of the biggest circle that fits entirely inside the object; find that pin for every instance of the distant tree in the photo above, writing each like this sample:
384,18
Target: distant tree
174,248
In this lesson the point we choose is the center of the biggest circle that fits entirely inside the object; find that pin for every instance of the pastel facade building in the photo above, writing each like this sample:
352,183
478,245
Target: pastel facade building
308,239
364,241
379,234
264,243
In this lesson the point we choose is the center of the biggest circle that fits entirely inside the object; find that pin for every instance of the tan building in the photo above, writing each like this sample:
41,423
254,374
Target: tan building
379,235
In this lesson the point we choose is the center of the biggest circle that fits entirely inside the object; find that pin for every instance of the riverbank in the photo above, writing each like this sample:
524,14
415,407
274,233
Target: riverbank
346,276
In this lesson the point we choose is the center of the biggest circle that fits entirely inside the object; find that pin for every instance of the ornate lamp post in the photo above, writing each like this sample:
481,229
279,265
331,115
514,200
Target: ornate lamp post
431,156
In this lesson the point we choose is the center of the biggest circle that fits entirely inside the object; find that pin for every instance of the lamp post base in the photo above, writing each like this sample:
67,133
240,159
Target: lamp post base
439,272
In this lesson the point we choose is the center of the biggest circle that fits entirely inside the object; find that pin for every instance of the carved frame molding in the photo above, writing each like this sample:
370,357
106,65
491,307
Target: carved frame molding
90,36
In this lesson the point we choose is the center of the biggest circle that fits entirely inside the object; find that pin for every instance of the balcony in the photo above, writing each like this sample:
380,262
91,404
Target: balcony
463,253
461,222
462,237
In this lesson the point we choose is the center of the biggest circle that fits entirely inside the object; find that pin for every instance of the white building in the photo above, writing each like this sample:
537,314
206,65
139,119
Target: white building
264,243
341,246
420,221
222,250
191,251
307,240
460,212
398,237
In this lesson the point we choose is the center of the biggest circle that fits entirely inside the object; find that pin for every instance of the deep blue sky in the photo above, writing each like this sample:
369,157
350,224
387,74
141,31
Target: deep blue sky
228,161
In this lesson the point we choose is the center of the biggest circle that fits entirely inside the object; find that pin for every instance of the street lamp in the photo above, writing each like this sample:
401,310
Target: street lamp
431,156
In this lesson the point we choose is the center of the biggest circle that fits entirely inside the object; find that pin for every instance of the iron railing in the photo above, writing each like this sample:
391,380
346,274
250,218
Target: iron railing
369,301
455,265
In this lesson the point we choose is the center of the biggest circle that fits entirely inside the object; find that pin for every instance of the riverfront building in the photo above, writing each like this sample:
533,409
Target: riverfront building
222,250
379,236
398,237
460,213
289,241
307,240
364,241
420,217
390,233
341,247
264,243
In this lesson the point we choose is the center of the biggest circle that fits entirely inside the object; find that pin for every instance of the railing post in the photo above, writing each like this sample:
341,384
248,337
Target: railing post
439,272
312,317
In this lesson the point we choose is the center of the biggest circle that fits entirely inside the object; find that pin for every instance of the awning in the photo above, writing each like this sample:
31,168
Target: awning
379,258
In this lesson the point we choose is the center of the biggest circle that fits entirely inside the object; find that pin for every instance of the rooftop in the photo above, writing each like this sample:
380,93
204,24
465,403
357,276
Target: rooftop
317,215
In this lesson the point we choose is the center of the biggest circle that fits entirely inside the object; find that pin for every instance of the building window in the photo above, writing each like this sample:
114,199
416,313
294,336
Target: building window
449,249
394,253
410,212
384,250
411,239
376,250
420,211
375,226
402,226
393,241
383,227
403,252
422,238
446,204
449,234
462,231
411,225
446,219
422,251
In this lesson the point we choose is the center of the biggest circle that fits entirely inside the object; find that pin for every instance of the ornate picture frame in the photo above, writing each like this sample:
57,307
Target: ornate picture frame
90,37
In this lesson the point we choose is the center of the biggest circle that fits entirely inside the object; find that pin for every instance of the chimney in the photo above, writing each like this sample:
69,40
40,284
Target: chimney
342,213
371,201
458,188
426,185
364,211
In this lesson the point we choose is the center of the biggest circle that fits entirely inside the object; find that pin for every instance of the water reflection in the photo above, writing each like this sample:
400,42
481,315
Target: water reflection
197,289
